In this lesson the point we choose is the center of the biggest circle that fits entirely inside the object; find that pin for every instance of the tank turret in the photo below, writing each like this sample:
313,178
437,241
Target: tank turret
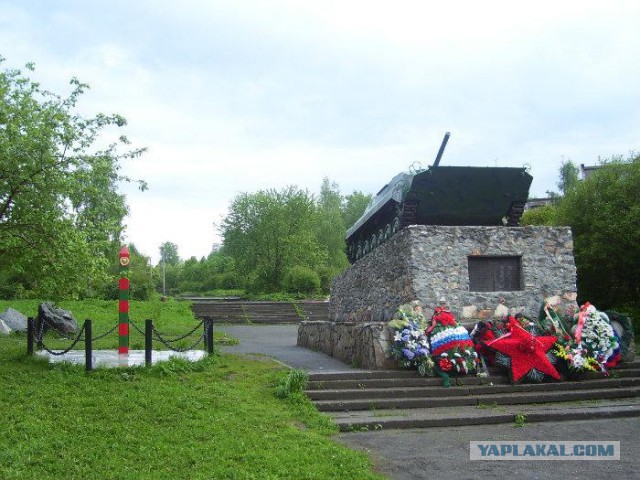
440,196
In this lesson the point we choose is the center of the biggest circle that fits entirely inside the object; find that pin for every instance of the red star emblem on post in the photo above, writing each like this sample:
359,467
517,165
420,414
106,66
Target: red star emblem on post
526,352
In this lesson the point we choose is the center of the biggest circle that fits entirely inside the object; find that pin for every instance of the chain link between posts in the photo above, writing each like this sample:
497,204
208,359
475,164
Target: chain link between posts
39,337
40,341
167,342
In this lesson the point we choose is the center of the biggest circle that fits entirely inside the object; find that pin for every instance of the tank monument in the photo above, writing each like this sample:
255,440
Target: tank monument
442,235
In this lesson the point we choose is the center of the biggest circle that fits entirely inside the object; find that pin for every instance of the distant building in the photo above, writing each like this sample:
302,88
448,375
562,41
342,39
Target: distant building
537,202
587,171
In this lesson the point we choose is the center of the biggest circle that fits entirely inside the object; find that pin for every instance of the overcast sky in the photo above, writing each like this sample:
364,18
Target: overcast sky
238,96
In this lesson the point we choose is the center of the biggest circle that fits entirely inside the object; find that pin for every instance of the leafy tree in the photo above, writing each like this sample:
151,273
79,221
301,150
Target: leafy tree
60,210
353,206
220,272
268,232
301,279
192,276
169,253
142,276
604,214
330,227
569,177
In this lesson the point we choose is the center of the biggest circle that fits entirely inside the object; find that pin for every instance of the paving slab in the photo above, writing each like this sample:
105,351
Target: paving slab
280,342
112,359
448,416
443,453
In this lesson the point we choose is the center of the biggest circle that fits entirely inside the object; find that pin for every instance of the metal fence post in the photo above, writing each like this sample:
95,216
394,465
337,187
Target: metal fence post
88,347
38,325
148,342
30,333
208,325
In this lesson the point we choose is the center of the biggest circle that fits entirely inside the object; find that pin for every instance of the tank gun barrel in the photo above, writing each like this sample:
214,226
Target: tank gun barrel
442,147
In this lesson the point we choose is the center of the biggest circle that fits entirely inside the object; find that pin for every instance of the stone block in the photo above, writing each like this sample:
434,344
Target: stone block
501,311
430,262
4,329
14,320
364,345
469,311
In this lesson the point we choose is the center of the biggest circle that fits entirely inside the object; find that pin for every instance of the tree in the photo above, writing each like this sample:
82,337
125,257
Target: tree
60,209
169,269
268,232
569,177
353,206
169,253
142,277
330,227
220,272
604,214
192,276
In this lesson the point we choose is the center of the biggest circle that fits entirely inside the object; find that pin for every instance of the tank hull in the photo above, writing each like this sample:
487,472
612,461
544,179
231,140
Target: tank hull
441,196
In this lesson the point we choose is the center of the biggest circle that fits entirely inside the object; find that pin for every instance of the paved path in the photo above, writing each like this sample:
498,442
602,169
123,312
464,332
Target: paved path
279,342
443,453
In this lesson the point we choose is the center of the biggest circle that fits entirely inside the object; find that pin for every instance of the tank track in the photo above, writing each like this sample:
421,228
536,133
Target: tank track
515,213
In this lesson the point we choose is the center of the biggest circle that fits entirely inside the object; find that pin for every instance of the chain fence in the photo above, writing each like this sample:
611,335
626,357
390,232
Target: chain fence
206,336
168,342
40,340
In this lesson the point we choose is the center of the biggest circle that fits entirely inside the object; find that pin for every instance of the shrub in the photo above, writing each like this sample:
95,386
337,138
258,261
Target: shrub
301,279
545,215
230,281
292,385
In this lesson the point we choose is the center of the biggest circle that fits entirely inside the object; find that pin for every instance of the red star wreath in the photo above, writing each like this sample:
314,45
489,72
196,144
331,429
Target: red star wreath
525,351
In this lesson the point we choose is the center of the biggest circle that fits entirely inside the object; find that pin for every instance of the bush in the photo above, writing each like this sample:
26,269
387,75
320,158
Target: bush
545,215
292,384
190,286
327,274
230,281
301,279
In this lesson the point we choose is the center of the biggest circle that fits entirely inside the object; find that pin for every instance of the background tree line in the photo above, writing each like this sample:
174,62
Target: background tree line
61,217
603,211
286,240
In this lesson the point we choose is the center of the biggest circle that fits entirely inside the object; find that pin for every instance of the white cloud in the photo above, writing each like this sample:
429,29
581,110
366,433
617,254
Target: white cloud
247,95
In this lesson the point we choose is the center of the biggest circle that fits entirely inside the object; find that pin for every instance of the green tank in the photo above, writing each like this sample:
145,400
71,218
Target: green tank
440,196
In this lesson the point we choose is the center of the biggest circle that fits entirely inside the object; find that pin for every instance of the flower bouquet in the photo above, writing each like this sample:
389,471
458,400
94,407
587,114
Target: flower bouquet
595,346
451,346
483,333
409,343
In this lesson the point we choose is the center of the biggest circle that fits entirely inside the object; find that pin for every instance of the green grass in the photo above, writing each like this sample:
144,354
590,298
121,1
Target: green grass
214,419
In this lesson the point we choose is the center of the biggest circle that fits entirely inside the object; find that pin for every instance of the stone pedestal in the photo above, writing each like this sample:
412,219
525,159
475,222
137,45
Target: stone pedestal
431,264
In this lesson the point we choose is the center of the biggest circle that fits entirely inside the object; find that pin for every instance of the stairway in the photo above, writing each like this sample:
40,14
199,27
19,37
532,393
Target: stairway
369,400
240,311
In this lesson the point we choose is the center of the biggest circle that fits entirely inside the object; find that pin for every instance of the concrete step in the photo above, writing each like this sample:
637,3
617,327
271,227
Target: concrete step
403,399
473,415
362,379
381,374
453,399
439,391
241,311
400,382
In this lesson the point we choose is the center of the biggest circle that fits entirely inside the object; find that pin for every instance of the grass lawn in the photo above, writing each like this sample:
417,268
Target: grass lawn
217,418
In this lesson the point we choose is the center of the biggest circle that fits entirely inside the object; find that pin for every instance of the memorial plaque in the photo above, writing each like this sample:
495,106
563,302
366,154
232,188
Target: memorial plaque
494,274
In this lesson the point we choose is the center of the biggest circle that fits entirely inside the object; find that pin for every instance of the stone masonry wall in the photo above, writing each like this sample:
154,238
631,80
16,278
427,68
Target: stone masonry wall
430,264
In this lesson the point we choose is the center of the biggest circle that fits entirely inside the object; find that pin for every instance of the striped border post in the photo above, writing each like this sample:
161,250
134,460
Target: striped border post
123,304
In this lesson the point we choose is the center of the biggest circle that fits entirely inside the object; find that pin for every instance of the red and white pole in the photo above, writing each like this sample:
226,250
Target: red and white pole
123,304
